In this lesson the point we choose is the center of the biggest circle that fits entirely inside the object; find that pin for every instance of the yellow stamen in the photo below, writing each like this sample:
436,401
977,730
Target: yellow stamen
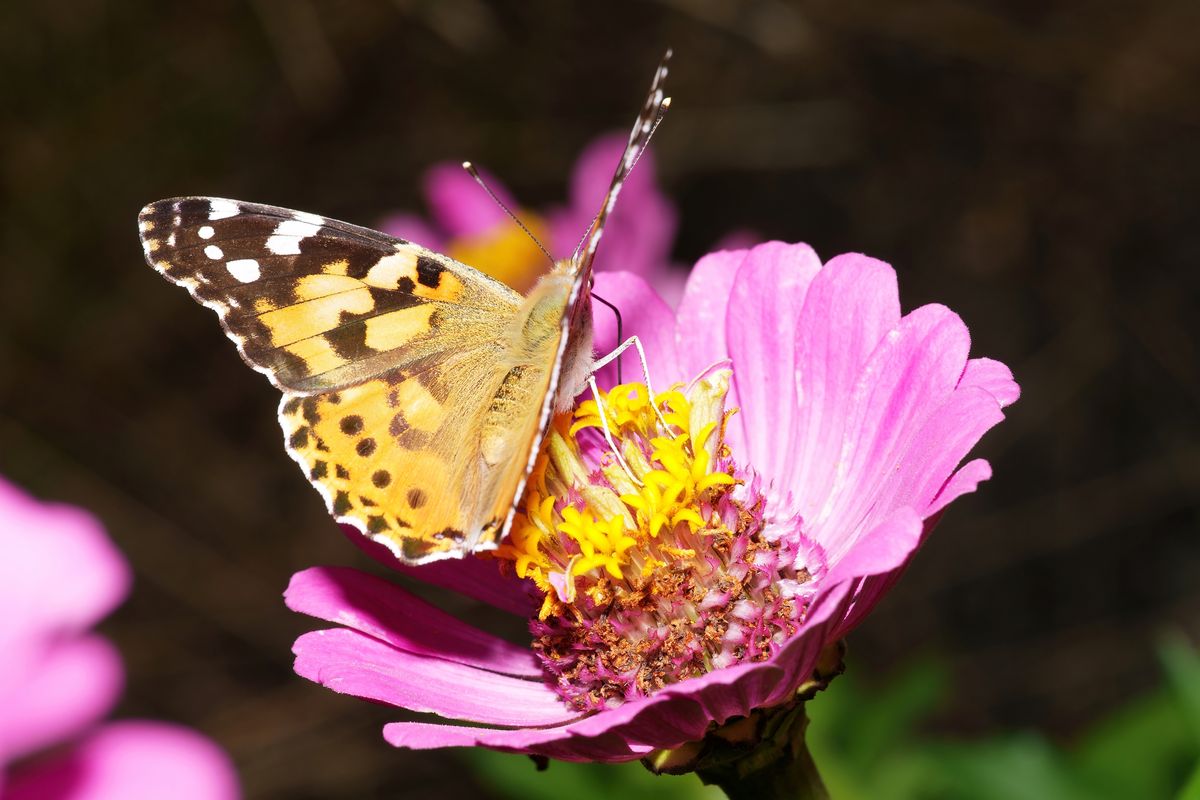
597,535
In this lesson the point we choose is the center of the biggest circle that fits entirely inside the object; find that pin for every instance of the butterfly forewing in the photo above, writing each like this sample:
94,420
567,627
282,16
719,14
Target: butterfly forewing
311,302
393,360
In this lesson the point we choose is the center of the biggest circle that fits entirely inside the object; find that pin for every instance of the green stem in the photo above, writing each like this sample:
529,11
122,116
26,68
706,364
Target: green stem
778,767
761,756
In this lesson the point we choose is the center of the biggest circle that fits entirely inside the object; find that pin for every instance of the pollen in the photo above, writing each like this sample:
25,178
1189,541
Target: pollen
658,566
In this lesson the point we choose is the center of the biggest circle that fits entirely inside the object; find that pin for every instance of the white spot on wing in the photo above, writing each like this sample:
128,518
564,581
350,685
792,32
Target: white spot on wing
205,232
214,252
221,209
286,239
245,270
284,245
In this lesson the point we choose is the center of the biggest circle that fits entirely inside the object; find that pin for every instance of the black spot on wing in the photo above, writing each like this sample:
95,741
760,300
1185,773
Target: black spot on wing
434,383
429,272
299,439
310,407
351,424
398,425
350,341
328,246
406,436
413,439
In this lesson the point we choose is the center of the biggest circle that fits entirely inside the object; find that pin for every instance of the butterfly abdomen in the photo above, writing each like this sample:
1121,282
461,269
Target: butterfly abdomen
520,390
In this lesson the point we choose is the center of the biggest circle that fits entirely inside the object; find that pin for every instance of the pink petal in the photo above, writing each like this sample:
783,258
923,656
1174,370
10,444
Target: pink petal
993,377
459,205
909,376
851,304
965,481
352,663
60,572
413,228
551,742
72,684
672,716
594,169
884,548
386,612
640,230
472,576
131,761
886,554
945,439
761,326
700,327
643,314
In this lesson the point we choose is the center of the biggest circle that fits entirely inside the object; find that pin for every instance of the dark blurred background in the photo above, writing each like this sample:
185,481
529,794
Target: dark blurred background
1033,165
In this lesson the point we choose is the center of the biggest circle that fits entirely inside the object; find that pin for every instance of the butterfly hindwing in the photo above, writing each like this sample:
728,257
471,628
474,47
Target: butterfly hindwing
413,458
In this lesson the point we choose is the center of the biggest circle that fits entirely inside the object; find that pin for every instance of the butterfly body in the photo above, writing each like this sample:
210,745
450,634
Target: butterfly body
416,390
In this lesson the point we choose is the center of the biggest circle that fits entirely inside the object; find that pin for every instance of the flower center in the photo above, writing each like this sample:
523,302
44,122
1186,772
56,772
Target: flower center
505,252
662,572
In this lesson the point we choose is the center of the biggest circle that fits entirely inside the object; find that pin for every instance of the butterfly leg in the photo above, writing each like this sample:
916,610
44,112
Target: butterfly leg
607,433
636,344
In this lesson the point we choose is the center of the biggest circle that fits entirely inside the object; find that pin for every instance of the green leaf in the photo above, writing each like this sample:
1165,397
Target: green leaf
1192,790
1022,767
1182,665
1136,751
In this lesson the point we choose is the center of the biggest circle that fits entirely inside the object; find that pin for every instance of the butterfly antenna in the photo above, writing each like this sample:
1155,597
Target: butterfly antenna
474,173
620,337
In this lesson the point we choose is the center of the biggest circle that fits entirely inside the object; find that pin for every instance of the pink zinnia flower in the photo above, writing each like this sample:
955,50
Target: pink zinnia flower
59,576
700,580
467,225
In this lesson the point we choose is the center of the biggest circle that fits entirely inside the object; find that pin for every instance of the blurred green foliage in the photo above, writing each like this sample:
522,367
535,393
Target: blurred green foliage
868,745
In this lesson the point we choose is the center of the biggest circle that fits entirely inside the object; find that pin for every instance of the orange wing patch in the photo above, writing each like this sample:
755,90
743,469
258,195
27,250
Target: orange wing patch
370,458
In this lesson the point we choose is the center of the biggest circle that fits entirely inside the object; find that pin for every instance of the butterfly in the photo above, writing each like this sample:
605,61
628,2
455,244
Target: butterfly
416,389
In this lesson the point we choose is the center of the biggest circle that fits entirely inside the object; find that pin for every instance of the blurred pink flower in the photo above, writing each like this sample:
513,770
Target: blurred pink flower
60,575
853,421
467,225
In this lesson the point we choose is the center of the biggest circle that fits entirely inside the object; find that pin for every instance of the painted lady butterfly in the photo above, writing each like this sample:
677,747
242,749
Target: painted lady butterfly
416,390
